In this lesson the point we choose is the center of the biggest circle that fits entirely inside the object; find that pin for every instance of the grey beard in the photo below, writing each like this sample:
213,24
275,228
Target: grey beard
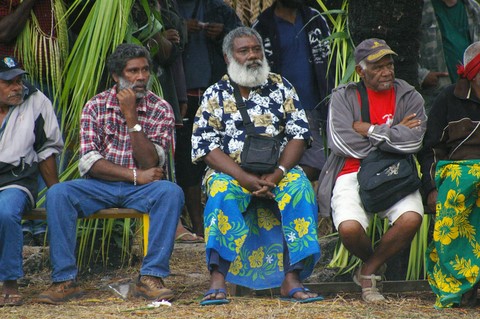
246,77
125,84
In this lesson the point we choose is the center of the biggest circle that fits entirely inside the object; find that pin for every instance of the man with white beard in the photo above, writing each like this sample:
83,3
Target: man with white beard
260,228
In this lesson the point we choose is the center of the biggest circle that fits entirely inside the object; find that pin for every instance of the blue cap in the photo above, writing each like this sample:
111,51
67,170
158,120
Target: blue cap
9,68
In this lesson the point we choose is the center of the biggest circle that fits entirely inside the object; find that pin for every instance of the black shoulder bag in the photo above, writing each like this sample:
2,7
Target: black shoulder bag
384,177
260,154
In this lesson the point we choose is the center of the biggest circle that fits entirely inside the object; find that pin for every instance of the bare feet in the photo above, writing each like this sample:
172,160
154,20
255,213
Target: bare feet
292,281
184,236
217,293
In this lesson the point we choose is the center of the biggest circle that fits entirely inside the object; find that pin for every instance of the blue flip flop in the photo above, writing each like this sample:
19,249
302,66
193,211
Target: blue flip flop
303,289
211,302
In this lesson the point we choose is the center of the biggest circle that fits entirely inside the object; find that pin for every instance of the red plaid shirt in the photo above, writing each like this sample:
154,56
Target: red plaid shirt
104,131
43,13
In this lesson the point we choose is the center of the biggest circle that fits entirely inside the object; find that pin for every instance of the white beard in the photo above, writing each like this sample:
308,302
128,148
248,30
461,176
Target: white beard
248,77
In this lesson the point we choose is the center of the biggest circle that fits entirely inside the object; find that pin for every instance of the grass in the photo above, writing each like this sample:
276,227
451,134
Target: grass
190,279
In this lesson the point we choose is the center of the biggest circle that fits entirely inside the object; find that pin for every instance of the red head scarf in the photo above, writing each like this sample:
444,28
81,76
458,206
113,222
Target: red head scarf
470,70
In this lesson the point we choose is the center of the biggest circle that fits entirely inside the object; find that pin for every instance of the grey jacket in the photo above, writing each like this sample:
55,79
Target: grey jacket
344,142
30,135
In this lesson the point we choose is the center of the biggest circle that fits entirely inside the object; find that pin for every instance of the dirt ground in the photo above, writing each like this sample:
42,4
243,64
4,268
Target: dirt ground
189,279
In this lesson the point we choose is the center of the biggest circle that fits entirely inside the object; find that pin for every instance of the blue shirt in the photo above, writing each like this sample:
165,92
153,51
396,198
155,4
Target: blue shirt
296,60
196,60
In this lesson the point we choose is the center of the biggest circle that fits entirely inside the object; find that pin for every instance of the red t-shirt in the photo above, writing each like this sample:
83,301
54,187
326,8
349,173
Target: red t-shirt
382,109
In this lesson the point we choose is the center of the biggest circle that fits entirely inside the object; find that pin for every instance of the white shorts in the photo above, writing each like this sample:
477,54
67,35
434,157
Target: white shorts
346,203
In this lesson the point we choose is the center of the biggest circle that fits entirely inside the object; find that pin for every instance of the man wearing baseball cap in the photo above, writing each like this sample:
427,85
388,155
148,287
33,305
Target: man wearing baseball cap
397,124
29,141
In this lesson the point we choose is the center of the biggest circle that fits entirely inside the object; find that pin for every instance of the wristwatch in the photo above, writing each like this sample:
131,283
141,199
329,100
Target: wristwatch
135,128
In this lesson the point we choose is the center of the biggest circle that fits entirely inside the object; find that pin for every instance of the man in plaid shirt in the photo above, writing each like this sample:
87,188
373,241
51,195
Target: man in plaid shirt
124,134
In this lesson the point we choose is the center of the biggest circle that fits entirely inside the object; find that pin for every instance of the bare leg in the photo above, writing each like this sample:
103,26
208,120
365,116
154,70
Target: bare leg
311,172
391,243
355,239
193,201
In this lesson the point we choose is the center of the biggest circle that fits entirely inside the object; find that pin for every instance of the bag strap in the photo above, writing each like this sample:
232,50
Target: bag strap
365,107
464,140
243,109
247,122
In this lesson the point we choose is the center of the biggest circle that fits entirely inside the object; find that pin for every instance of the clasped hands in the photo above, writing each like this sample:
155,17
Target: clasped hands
261,185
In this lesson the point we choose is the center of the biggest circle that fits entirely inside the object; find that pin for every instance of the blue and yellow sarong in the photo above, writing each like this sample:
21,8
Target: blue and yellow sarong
251,237
453,257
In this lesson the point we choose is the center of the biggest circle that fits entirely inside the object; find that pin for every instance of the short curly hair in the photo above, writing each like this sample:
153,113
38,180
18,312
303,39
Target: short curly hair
117,61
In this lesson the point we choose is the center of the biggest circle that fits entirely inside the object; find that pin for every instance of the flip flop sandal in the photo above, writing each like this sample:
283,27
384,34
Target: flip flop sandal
211,302
196,239
293,291
10,300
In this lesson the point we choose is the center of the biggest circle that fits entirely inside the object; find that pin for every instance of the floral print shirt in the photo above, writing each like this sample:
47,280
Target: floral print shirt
273,107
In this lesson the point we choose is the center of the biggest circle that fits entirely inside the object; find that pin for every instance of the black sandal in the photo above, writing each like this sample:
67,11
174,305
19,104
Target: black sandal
469,299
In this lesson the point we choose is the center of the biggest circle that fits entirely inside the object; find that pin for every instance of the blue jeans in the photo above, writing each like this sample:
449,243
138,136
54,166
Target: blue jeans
36,227
13,202
68,201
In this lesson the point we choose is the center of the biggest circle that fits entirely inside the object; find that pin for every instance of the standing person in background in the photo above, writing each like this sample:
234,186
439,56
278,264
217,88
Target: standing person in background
296,46
207,23
172,67
168,44
447,28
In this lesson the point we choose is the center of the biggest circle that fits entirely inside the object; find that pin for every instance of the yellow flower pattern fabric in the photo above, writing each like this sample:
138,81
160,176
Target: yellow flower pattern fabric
249,233
453,256
266,219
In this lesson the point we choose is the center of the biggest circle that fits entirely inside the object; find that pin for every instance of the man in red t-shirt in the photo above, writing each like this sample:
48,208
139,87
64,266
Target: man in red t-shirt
398,123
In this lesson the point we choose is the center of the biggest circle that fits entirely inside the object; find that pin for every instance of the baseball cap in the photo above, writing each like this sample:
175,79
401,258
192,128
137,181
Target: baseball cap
9,68
372,50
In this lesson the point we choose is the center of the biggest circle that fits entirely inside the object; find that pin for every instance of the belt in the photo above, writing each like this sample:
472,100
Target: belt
195,92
